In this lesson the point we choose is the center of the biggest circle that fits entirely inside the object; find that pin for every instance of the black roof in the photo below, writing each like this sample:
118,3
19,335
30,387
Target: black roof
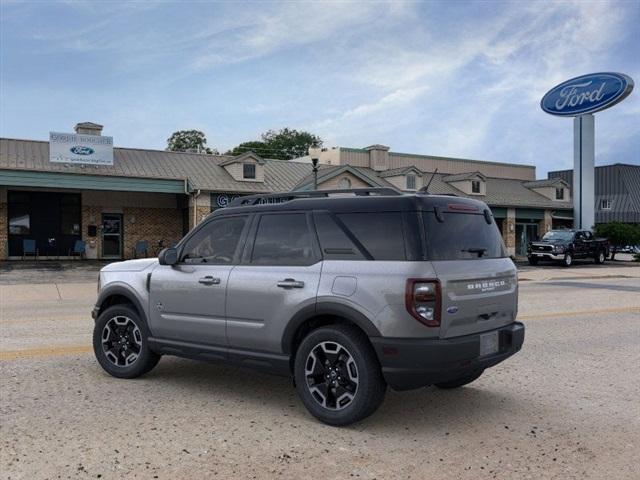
346,201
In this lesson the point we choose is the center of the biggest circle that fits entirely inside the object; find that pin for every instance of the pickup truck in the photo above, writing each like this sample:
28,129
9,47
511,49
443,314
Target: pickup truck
566,245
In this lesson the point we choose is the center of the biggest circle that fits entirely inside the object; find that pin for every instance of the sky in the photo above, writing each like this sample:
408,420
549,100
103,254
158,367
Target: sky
446,78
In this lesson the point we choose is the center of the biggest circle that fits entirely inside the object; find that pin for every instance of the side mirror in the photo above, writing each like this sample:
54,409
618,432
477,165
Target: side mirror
168,256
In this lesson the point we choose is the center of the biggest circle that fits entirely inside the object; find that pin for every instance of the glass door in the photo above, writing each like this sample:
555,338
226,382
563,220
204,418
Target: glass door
525,233
111,235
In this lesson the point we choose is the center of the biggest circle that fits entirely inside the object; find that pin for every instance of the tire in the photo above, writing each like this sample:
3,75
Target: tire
347,389
600,257
532,260
460,382
567,261
116,355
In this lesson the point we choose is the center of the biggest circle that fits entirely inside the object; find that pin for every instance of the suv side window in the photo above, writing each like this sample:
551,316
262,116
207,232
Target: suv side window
380,233
283,239
216,242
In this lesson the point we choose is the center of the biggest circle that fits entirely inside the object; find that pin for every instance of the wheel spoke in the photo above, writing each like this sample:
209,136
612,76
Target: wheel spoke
332,375
121,341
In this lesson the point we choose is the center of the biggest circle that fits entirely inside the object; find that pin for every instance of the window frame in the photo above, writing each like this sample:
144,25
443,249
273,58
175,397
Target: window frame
559,193
247,251
244,172
478,183
207,224
414,177
609,204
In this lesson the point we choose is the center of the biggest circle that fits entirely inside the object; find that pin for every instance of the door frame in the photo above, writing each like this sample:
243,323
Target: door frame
112,257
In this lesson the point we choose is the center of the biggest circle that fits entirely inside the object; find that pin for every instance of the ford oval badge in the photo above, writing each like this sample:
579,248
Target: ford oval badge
587,94
80,150
452,309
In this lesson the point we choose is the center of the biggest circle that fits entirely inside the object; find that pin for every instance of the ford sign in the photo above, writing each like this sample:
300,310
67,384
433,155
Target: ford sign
79,150
587,94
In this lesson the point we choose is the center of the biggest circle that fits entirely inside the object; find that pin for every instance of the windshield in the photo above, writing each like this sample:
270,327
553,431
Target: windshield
558,235
462,236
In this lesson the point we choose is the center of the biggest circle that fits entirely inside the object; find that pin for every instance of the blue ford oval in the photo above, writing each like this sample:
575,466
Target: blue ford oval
587,94
80,150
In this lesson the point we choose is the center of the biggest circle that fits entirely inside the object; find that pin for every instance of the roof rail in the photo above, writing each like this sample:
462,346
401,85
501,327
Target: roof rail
287,196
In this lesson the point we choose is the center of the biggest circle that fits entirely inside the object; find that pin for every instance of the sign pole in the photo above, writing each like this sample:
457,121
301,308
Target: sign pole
583,171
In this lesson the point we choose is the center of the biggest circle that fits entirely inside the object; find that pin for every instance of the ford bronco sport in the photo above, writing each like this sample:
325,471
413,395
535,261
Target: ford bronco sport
346,291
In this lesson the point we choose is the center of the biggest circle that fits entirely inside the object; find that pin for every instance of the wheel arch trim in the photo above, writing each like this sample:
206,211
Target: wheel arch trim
326,308
123,291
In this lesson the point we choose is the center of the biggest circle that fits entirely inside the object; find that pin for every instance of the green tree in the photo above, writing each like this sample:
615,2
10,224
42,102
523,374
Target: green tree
188,141
283,144
619,234
257,147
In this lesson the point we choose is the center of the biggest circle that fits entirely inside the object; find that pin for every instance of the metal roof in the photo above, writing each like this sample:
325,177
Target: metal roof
205,172
463,176
201,170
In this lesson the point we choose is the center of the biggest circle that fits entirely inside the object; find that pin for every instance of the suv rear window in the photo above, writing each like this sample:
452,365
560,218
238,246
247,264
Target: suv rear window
462,236
380,233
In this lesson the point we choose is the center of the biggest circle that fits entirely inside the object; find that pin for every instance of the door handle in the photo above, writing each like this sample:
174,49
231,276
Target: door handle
290,283
209,280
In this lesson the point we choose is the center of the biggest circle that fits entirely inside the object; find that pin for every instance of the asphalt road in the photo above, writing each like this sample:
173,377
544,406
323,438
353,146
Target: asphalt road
567,406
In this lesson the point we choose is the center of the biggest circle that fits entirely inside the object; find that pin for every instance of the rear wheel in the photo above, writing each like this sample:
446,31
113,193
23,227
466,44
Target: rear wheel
120,343
460,382
338,376
567,261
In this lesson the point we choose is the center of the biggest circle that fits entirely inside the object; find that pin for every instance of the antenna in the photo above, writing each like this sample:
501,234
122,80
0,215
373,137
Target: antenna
425,189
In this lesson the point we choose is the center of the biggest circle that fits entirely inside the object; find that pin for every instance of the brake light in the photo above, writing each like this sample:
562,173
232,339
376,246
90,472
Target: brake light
422,299
462,207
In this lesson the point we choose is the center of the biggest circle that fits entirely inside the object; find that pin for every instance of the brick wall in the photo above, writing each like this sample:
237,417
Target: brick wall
152,225
509,231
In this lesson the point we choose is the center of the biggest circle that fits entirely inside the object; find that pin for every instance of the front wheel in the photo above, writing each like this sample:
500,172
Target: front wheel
120,343
338,376
600,257
567,261
532,260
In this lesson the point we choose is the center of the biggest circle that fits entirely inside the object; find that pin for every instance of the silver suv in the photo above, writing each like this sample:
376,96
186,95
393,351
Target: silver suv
347,292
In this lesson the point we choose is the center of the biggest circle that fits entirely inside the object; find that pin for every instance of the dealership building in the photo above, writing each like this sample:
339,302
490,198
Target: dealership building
113,199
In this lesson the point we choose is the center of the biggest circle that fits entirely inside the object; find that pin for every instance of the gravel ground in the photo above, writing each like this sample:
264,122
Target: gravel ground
565,407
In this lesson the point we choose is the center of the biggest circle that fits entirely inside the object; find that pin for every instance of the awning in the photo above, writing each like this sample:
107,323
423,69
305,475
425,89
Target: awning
29,178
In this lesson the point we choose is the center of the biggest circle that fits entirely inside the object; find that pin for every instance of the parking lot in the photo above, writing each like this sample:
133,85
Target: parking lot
565,407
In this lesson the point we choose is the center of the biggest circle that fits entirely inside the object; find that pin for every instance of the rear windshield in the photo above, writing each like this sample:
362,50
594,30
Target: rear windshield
462,236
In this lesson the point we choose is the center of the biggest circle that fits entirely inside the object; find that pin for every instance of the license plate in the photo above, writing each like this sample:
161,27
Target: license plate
539,255
489,344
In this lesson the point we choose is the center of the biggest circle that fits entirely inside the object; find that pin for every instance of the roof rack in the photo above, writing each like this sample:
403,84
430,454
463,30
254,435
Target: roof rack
287,196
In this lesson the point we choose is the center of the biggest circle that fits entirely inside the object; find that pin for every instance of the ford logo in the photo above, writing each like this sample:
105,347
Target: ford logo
79,150
452,309
587,94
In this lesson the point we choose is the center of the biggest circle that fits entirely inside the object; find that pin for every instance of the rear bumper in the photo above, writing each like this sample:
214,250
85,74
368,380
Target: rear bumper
414,363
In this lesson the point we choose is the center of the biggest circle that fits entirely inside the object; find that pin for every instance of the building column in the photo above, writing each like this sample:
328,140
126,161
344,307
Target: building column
545,224
199,208
4,225
509,231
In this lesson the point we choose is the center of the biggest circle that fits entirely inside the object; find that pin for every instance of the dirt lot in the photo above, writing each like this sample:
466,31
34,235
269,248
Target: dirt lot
565,407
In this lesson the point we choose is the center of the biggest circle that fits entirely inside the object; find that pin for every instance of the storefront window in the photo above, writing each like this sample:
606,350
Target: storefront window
19,220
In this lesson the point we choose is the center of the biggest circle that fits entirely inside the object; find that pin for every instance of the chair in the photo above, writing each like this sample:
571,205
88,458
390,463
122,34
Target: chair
29,248
142,246
79,248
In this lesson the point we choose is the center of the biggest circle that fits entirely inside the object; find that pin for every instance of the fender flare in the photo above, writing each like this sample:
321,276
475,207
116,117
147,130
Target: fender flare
326,308
123,291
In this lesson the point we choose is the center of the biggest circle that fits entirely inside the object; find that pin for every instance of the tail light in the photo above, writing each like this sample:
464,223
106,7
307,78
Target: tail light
422,299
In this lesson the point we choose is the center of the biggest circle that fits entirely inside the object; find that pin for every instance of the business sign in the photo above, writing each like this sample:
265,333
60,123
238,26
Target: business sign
587,94
80,149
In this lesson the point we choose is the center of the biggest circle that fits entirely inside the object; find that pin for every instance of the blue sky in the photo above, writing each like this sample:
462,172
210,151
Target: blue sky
461,79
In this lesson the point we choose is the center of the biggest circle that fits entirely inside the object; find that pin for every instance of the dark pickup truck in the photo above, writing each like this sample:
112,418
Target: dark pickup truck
566,245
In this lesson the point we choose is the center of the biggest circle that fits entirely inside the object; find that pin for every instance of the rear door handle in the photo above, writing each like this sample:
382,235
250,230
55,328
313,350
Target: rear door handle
290,283
209,280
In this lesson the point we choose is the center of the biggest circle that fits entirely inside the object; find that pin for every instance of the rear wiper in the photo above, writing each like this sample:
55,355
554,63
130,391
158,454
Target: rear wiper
479,251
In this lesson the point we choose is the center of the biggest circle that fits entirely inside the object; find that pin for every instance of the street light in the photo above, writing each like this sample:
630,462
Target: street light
314,153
